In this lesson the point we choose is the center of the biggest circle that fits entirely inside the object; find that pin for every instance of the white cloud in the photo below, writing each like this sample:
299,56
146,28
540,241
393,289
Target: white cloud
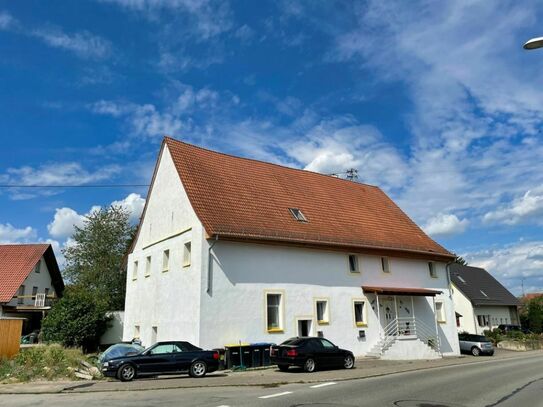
83,44
66,219
512,263
64,223
445,225
11,234
7,21
527,208
133,204
204,18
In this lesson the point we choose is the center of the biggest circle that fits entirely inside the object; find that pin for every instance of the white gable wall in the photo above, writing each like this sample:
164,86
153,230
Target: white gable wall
42,280
463,306
242,273
168,300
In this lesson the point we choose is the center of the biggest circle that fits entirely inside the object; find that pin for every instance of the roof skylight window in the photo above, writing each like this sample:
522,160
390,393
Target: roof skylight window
461,279
298,215
482,292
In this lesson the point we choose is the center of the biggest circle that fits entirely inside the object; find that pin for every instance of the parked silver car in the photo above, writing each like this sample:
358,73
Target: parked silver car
475,344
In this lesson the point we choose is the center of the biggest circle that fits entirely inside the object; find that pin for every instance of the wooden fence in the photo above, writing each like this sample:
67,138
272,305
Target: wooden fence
10,337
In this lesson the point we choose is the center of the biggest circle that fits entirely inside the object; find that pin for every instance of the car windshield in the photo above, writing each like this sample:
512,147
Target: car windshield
120,350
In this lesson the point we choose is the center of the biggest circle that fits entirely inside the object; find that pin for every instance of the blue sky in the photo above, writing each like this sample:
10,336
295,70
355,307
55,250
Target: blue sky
437,104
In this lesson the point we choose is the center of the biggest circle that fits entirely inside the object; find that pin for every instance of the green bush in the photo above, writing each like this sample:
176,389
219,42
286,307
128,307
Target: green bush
495,335
77,320
44,362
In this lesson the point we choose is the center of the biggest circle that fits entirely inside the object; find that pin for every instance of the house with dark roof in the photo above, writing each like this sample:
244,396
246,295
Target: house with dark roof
232,249
30,280
481,302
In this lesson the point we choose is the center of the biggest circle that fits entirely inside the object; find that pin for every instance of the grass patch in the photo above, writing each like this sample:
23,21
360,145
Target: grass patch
44,362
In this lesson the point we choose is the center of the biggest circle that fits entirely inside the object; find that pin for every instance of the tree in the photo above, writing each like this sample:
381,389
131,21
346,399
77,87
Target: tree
77,319
532,315
94,261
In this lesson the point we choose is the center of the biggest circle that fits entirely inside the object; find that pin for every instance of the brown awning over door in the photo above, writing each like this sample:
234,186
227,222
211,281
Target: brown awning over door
421,292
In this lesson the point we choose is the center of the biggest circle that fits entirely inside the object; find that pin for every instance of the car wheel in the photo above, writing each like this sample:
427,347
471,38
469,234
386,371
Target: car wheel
283,368
475,351
126,373
310,365
348,362
198,369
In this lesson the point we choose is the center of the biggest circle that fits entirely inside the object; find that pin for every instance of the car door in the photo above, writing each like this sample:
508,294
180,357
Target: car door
325,352
158,359
184,356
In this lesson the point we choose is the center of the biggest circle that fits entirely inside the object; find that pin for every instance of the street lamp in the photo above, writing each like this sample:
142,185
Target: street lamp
534,43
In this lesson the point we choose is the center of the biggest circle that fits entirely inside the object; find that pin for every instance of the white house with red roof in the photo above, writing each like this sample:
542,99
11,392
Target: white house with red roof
30,280
231,249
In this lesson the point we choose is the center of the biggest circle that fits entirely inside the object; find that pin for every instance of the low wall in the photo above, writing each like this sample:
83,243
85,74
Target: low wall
520,345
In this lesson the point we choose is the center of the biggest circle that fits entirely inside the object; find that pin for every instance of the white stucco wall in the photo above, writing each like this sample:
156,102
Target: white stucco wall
169,299
498,314
42,280
242,273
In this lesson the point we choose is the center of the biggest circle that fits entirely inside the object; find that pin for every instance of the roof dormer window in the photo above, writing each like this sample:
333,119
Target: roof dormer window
298,215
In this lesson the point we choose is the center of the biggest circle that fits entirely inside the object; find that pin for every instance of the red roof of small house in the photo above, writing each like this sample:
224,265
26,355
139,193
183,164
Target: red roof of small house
18,260
243,199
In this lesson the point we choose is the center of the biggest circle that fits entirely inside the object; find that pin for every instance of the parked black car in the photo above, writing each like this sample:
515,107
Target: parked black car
505,328
163,358
310,353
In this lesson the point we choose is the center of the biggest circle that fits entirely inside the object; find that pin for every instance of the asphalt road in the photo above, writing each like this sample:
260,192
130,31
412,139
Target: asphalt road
514,382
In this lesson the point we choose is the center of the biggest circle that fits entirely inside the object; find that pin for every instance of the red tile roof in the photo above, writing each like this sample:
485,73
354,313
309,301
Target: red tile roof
16,263
239,198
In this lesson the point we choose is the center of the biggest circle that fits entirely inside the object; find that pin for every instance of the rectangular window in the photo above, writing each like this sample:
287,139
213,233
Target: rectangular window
440,312
34,292
136,331
46,292
274,306
20,294
353,263
359,317
385,265
166,260
322,312
154,335
148,266
432,269
135,271
186,254
483,320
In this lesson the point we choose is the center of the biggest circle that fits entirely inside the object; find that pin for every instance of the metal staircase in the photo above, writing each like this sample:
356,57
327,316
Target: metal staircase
405,328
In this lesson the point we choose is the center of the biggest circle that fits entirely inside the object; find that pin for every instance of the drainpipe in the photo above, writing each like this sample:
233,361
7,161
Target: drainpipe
209,269
448,272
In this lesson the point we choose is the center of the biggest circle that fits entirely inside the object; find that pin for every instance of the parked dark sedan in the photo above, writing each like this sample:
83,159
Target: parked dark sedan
310,353
163,358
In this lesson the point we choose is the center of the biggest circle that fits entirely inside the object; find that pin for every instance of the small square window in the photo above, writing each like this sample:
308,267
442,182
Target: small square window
432,269
136,331
135,271
353,263
154,335
359,313
322,312
34,292
148,266
297,214
166,260
385,265
186,254
21,293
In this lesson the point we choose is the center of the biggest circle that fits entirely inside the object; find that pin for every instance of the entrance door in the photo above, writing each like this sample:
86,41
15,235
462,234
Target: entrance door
388,311
304,327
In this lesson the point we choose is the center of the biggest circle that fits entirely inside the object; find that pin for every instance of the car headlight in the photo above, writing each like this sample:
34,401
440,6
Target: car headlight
105,364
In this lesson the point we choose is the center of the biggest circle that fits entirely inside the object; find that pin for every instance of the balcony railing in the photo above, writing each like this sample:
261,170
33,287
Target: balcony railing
40,300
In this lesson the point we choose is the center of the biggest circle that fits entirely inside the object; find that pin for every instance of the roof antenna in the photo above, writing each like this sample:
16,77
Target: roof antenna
352,174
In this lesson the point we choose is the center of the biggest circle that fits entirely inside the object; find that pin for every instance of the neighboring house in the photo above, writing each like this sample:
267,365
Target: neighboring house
481,302
29,281
232,249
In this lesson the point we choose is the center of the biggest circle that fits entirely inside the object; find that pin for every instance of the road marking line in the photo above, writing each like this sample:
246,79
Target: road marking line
322,385
223,405
269,396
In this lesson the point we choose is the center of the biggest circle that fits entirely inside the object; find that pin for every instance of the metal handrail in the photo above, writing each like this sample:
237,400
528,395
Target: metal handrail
409,326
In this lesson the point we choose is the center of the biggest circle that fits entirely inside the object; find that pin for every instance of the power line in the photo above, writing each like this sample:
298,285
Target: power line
73,186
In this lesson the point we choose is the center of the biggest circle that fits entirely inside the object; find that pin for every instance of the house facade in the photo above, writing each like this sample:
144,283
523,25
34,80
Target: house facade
30,280
230,249
481,302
